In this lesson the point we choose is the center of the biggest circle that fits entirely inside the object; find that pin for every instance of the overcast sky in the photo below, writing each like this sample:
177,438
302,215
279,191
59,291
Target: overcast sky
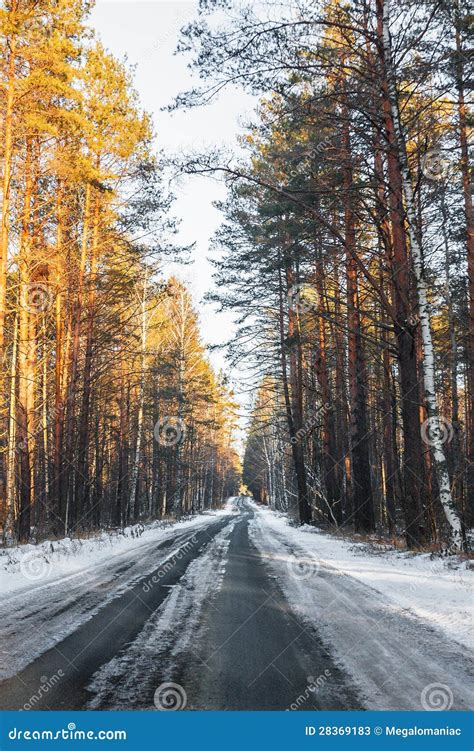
147,33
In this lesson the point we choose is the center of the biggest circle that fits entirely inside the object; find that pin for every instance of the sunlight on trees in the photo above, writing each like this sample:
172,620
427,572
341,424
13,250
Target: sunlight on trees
90,334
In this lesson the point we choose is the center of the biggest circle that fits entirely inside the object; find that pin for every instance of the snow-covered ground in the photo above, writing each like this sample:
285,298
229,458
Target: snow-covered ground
396,623
49,590
26,567
439,590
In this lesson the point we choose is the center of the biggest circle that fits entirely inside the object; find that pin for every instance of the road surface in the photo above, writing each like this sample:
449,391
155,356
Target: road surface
203,620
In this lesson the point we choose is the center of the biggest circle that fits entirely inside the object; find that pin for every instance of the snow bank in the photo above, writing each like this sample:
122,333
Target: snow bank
71,580
384,618
33,566
439,590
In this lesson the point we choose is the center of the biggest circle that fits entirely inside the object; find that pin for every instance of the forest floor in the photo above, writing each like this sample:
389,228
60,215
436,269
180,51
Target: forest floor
233,610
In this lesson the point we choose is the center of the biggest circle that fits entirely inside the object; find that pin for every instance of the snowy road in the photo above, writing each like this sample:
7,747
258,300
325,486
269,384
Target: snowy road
230,613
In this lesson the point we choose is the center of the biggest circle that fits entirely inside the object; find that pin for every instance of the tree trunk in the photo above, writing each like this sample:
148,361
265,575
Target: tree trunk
141,400
435,432
413,495
5,218
363,504
70,511
304,508
11,515
83,479
469,216
328,431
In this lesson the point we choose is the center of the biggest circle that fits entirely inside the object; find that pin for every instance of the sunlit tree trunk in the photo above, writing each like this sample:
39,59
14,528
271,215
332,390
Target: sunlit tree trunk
85,417
11,511
7,164
60,361
5,217
69,512
27,330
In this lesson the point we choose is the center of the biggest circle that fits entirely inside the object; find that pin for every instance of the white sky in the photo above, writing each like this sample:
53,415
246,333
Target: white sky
147,32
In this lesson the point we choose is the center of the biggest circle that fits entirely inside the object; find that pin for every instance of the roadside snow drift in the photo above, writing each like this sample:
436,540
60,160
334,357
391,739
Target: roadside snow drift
396,623
49,590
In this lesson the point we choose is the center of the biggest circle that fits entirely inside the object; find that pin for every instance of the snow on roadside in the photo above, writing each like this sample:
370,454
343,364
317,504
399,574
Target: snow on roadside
382,620
47,595
28,566
438,590
130,679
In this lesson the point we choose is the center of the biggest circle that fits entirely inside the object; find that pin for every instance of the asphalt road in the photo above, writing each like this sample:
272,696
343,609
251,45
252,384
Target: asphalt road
206,614
98,640
256,654
252,651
